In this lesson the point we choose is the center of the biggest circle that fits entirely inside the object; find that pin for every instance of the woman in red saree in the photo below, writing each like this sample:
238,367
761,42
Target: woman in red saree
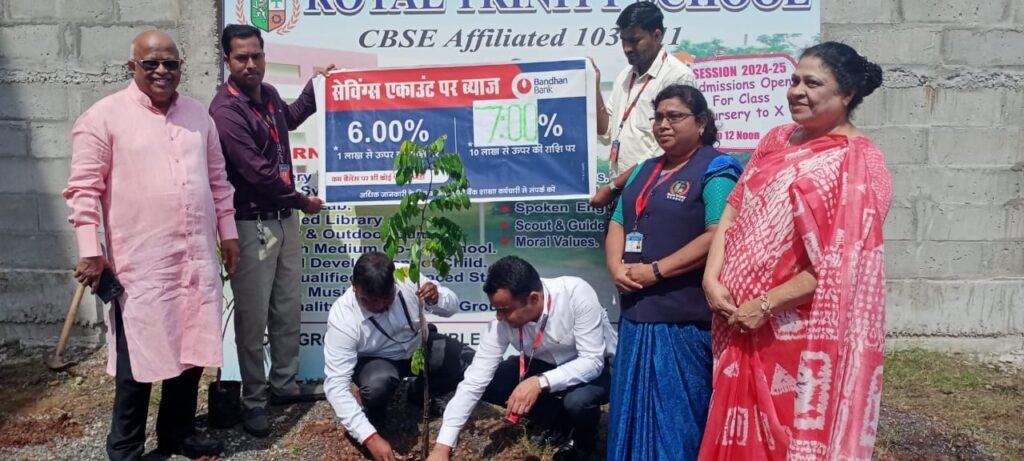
796,272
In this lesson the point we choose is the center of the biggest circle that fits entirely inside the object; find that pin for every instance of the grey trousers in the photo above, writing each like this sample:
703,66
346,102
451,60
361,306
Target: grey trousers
268,299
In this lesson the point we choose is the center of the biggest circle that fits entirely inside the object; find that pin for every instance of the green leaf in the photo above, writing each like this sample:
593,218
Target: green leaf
438,144
402,273
414,272
443,268
418,363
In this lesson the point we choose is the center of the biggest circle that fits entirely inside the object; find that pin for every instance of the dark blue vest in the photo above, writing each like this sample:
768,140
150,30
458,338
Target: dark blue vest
674,216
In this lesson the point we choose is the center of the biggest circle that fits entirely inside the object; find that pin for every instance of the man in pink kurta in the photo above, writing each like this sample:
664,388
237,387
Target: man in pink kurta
147,164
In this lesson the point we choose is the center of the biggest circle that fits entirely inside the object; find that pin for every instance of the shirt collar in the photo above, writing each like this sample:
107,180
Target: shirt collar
544,300
659,62
144,100
238,93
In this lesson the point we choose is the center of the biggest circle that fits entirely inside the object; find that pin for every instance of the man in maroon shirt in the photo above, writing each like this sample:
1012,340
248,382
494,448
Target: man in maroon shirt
253,122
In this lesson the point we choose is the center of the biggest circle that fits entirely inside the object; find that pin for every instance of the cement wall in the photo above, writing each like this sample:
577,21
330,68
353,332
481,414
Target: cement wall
57,57
949,119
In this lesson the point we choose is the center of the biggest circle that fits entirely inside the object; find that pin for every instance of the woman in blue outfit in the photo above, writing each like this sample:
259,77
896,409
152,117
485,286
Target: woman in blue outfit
657,242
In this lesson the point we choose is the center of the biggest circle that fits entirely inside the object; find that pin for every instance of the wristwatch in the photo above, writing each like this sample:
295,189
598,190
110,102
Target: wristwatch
544,384
615,189
657,272
766,308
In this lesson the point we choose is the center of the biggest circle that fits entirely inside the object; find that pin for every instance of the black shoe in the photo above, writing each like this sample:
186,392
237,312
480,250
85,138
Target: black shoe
194,446
256,422
550,437
570,452
295,398
435,406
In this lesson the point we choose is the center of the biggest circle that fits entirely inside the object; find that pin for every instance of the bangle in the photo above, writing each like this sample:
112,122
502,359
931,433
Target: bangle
766,308
657,272
370,437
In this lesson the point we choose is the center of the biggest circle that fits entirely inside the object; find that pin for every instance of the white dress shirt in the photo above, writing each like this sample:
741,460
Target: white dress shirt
577,339
636,137
351,334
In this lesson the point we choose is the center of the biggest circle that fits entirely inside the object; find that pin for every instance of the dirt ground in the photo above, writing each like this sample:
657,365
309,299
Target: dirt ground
935,407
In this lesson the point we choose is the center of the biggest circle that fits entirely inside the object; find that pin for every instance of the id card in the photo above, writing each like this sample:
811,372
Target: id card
613,155
285,170
634,242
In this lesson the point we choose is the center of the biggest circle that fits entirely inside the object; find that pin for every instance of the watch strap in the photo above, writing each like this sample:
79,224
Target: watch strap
657,271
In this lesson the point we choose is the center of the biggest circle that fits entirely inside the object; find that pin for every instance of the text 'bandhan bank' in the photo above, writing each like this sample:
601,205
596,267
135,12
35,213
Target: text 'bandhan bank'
352,7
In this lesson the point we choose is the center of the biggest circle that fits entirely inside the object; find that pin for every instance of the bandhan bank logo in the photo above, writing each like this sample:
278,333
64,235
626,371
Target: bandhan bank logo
270,15
533,85
522,86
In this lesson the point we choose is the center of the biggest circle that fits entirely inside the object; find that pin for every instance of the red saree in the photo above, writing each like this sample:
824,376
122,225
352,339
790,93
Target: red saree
806,385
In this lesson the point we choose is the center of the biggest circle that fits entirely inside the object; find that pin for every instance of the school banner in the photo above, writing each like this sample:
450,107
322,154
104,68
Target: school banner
522,129
742,53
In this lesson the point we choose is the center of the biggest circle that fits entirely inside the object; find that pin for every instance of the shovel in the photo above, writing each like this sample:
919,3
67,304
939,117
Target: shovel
56,361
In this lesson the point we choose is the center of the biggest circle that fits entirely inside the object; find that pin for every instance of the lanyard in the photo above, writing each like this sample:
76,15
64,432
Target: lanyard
645,196
523,366
632,80
408,320
267,119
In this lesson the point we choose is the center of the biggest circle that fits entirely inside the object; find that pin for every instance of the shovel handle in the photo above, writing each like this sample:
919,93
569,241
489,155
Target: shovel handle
70,320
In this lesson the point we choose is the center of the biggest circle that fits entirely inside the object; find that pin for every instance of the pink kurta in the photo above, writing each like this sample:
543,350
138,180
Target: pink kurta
160,184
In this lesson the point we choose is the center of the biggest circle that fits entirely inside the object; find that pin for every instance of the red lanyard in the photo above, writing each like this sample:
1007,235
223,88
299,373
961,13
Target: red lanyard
267,119
523,366
648,191
632,80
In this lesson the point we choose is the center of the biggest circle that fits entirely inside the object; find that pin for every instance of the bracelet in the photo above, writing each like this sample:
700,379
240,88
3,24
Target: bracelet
766,308
657,272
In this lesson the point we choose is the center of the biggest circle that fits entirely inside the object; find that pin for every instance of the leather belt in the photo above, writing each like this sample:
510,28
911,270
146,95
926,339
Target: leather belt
264,215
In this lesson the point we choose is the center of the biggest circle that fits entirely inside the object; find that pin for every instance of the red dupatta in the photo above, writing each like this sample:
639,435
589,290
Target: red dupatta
806,385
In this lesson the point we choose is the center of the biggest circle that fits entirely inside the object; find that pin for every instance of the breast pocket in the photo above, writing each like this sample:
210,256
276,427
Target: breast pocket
560,333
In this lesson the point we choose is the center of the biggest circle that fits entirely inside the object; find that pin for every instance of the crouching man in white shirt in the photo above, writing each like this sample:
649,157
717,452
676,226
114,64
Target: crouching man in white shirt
560,377
372,333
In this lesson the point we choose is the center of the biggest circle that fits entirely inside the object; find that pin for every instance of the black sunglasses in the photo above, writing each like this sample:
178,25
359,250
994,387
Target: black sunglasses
150,65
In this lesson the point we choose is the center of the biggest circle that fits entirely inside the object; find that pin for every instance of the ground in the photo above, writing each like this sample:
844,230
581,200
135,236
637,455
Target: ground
934,407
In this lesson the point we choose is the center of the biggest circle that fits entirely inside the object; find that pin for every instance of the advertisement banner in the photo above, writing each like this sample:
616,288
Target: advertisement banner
523,129
742,53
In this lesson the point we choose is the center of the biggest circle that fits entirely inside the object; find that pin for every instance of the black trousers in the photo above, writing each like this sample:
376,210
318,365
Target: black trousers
177,415
578,407
378,378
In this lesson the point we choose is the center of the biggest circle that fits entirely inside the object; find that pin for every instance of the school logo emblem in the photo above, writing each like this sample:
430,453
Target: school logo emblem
269,15
678,191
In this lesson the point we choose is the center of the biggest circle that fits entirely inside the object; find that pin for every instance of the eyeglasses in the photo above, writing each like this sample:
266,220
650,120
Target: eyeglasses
149,65
673,117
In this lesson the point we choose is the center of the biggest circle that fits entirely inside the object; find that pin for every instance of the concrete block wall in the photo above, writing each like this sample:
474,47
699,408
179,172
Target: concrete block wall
949,119
57,57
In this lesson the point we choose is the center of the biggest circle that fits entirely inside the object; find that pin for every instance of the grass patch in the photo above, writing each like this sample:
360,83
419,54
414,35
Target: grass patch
972,400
